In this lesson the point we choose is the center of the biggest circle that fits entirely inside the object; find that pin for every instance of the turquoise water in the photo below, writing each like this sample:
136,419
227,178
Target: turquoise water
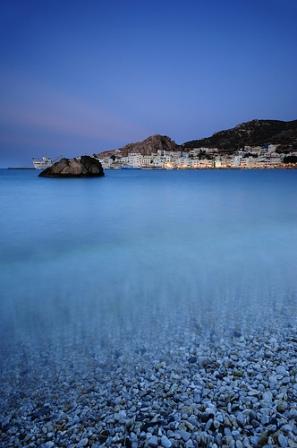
144,255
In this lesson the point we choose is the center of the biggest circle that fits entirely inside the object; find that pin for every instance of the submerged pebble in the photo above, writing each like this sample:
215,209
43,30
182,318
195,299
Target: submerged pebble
190,395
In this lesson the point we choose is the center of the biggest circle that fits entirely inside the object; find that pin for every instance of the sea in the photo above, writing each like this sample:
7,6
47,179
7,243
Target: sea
104,264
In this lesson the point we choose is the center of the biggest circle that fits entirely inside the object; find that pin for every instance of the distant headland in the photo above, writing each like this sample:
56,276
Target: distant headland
253,144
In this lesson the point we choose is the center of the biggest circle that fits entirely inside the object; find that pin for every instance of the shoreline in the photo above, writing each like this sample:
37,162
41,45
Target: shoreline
229,168
208,168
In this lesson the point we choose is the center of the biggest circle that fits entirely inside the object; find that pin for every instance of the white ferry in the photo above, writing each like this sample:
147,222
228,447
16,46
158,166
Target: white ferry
45,162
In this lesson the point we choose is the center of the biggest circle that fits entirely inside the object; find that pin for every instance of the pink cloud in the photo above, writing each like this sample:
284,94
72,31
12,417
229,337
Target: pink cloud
38,106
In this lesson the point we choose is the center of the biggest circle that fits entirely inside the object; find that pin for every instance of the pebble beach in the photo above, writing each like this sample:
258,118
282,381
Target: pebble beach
235,392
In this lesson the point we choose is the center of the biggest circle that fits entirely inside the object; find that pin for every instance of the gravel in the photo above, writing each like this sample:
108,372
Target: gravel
238,391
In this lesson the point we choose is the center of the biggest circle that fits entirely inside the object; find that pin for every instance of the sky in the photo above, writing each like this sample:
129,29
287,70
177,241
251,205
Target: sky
78,77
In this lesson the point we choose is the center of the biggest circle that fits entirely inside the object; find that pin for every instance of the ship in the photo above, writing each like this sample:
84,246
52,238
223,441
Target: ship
45,162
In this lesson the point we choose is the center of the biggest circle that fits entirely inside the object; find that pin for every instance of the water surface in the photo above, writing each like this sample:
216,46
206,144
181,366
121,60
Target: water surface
99,264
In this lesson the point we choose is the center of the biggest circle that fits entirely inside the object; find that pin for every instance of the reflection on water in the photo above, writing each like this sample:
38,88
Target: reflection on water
159,256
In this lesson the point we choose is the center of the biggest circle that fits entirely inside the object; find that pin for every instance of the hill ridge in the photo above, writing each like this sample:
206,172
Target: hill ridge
256,132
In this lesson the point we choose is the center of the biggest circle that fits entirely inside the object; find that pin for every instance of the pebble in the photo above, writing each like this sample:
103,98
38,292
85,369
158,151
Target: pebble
193,359
281,370
185,435
153,441
267,396
165,442
282,440
48,445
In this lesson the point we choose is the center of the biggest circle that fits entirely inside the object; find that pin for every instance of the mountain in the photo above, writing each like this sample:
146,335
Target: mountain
252,133
146,147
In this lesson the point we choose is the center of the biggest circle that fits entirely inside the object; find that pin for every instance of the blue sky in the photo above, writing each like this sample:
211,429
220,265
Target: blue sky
83,76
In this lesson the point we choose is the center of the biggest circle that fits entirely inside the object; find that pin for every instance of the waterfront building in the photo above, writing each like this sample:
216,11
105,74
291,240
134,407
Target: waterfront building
135,160
147,161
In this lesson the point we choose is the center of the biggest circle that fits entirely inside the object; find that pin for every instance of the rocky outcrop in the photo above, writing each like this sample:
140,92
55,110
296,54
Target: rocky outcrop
146,147
85,166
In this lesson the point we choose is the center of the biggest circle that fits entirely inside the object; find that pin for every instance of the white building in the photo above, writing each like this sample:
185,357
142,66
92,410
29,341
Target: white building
272,148
124,160
236,161
147,161
105,162
135,160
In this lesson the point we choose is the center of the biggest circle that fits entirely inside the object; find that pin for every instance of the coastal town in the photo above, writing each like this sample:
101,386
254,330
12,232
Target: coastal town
249,157
257,144
249,145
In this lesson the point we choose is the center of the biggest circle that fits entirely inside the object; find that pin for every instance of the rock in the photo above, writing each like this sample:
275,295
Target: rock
185,435
165,442
122,416
263,439
281,406
193,359
287,428
48,445
153,441
236,333
84,442
189,426
267,396
282,440
85,166
293,414
103,435
272,380
281,370
265,419
241,420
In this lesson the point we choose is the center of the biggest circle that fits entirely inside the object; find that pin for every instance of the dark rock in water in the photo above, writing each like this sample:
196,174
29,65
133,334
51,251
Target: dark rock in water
192,359
236,333
103,436
85,166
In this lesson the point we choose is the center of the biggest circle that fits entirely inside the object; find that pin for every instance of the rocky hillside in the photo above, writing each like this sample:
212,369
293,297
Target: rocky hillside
148,146
252,133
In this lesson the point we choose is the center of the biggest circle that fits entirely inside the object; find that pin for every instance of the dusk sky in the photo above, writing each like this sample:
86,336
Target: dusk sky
78,77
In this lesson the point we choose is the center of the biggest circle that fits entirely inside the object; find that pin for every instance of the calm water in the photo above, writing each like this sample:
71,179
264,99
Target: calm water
98,263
